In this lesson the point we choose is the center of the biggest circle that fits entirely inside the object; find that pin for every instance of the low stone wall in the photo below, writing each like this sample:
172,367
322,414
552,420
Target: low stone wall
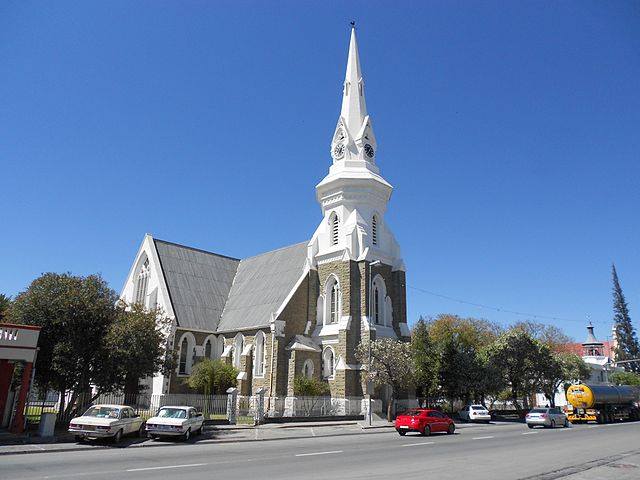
318,407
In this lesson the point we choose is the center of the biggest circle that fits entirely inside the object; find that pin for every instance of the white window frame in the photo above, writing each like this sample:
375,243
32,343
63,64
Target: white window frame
378,301
142,283
333,300
328,350
191,344
259,354
374,229
238,347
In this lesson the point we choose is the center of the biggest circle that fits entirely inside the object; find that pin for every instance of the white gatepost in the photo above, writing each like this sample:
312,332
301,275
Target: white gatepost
232,400
259,415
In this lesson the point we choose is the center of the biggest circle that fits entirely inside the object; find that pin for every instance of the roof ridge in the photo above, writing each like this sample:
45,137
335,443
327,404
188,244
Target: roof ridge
275,250
196,249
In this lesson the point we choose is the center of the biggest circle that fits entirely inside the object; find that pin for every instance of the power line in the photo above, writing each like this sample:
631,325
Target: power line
499,309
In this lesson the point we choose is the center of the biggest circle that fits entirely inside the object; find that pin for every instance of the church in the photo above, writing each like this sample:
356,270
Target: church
299,310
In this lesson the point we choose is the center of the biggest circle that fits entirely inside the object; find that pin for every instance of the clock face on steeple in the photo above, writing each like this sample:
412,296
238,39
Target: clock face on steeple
368,149
338,151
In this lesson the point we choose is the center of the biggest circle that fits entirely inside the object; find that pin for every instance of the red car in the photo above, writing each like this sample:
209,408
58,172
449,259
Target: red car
424,421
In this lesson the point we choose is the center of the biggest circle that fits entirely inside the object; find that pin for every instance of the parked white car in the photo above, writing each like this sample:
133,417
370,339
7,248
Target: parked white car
107,421
546,417
475,413
178,421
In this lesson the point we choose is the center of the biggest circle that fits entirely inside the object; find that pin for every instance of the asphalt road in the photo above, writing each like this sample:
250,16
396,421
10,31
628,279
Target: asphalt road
498,451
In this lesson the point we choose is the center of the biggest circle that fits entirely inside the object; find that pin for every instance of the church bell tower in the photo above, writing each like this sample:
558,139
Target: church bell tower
360,273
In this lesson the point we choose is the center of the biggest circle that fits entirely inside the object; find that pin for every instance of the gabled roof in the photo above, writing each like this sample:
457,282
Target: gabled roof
198,281
213,292
261,284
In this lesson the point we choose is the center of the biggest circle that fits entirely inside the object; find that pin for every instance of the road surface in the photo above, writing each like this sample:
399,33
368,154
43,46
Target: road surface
497,451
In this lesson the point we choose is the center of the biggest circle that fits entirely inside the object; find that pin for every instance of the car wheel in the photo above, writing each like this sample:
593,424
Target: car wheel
566,423
118,436
553,424
426,431
402,432
529,425
451,429
187,435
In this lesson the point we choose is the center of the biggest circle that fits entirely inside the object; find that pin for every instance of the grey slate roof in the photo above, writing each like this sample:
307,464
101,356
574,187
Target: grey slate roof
262,283
216,293
198,282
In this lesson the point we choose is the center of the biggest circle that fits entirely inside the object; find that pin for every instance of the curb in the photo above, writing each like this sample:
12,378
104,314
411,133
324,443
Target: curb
155,444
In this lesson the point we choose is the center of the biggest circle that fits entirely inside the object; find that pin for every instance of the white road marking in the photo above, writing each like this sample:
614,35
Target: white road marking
529,433
313,434
482,438
318,453
416,444
166,466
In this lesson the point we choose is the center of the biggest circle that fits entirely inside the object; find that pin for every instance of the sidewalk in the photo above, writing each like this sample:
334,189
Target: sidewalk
211,435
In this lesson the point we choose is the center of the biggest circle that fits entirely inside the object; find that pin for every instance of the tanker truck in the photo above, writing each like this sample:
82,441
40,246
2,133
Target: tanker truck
603,403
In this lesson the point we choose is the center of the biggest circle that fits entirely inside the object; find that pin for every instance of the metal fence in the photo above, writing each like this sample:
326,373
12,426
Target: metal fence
213,407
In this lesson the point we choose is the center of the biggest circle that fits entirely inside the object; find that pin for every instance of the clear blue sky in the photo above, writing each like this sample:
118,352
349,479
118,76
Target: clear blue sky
510,130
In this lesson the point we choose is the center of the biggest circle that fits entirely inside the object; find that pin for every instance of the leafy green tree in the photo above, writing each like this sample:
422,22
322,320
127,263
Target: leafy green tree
625,378
559,368
472,332
521,359
391,364
310,387
459,367
425,357
5,303
75,314
212,377
627,347
549,335
137,346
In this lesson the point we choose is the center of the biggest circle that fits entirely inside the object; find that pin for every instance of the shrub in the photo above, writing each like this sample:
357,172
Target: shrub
310,387
212,377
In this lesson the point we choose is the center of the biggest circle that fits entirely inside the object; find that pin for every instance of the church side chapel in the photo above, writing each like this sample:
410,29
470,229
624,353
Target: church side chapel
300,310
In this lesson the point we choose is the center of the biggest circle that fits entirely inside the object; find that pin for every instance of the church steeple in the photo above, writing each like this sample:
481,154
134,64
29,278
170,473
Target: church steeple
353,137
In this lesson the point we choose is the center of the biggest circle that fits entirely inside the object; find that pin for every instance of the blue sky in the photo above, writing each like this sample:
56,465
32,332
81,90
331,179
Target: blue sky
510,130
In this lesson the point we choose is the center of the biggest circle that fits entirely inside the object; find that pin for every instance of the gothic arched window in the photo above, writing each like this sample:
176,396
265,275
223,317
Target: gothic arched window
258,352
378,301
208,347
237,350
142,282
307,368
328,362
374,230
334,225
333,300
187,345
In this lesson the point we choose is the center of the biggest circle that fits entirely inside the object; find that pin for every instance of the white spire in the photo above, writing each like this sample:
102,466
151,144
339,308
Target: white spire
354,107
353,138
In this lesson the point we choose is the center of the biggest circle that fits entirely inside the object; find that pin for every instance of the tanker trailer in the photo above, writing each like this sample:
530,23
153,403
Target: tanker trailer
603,403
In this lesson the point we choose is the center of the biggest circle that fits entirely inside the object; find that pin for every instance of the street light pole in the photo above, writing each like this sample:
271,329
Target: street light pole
370,381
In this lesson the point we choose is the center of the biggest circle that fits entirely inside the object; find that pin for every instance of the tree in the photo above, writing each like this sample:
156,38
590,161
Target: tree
391,364
473,332
520,358
74,314
5,303
137,348
425,358
549,335
459,366
627,342
212,377
558,368
625,378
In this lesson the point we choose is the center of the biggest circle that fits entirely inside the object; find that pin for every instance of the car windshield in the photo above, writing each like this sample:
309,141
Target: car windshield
477,407
172,413
539,410
102,412
412,413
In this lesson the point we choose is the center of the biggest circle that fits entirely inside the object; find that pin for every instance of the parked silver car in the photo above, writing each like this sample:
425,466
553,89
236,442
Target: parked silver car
546,417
